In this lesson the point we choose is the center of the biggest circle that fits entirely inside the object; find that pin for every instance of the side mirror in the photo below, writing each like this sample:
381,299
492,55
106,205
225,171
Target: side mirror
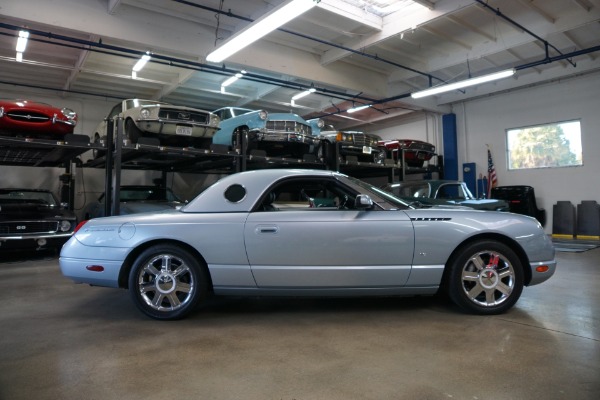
363,202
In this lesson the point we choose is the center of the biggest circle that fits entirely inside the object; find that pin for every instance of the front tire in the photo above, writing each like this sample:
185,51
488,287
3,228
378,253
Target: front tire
485,277
166,282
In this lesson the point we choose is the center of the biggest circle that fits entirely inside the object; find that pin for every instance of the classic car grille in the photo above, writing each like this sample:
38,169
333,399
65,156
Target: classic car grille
421,146
288,126
28,116
180,115
26,227
360,139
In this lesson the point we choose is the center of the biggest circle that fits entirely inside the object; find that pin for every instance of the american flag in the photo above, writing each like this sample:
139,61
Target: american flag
492,178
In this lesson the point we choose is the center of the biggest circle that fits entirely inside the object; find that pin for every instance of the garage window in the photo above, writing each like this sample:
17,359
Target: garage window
545,146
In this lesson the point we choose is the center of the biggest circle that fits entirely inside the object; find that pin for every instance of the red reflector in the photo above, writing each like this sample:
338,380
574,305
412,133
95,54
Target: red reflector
79,225
542,268
95,268
515,201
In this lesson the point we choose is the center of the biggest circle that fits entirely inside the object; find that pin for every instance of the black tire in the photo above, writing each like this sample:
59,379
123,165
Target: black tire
485,277
166,282
132,133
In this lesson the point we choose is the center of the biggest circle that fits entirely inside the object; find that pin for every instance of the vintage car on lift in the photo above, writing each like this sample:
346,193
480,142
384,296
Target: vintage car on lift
363,146
168,123
278,134
255,233
443,192
416,152
33,219
35,120
135,199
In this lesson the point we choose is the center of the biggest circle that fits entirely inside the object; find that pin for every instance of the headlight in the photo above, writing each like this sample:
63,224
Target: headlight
65,226
145,113
262,114
344,137
320,123
214,120
1,112
70,114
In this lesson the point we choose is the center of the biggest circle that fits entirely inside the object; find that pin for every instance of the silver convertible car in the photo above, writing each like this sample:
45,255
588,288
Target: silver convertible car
308,233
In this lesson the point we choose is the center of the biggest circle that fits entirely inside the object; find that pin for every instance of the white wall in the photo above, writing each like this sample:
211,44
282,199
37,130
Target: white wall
484,121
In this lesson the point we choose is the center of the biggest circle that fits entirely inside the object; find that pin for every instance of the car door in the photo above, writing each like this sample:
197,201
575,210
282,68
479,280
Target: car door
326,247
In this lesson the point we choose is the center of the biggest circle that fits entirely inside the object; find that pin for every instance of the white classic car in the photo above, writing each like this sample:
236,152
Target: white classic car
170,124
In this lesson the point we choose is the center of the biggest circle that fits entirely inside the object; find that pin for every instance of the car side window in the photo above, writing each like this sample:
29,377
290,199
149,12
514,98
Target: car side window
307,194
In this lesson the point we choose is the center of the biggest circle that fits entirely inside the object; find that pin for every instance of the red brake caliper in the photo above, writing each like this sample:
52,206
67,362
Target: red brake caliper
493,263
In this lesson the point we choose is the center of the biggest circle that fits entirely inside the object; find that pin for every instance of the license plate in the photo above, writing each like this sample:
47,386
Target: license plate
367,150
183,130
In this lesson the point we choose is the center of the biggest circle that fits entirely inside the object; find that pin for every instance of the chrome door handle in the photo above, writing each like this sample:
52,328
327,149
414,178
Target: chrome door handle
267,229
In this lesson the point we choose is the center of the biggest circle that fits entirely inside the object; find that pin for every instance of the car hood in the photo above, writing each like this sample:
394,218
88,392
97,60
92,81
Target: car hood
9,212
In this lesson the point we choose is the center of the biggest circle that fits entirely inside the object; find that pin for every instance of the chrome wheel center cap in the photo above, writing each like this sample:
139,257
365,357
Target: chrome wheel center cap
165,283
488,278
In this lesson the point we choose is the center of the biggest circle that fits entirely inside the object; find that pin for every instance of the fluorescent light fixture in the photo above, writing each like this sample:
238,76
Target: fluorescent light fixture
301,95
232,79
304,94
22,41
462,84
19,57
355,109
141,62
261,27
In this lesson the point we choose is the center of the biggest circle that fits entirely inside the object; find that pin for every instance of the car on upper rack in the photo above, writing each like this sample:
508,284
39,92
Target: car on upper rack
278,134
35,120
263,233
363,146
169,124
33,219
135,199
416,152
443,192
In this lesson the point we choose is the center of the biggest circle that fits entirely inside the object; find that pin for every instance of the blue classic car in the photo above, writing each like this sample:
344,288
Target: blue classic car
278,134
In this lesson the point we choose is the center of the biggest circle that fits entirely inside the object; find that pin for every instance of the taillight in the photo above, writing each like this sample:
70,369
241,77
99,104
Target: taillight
79,225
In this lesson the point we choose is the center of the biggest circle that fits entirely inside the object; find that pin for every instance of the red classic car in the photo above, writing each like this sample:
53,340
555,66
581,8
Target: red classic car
416,152
29,118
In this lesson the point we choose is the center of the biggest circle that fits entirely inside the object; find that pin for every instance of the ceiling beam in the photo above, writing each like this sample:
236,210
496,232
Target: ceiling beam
529,4
395,24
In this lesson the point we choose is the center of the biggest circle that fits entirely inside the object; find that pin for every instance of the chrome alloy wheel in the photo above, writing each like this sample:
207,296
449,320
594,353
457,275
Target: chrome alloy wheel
488,278
166,283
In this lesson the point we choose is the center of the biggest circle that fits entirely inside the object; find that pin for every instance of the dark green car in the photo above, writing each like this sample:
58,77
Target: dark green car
443,192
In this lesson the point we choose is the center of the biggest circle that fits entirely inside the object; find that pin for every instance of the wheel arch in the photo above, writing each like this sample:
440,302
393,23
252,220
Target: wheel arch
513,244
130,259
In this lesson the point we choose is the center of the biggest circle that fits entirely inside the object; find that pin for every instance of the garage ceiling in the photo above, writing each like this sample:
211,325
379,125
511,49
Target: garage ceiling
352,51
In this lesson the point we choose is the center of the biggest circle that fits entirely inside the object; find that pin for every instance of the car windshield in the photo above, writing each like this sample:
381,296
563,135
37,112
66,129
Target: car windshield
410,189
133,103
454,191
9,196
376,192
146,194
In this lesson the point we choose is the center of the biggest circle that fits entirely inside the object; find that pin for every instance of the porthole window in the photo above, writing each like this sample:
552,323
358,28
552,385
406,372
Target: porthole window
235,193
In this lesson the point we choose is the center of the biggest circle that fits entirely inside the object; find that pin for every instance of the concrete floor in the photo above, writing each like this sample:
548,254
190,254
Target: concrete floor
64,341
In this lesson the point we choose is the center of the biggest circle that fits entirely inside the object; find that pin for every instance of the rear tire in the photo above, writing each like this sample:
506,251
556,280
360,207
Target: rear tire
485,277
166,282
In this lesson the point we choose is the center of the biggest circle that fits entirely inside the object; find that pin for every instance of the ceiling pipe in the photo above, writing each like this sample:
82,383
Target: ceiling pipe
515,23
172,61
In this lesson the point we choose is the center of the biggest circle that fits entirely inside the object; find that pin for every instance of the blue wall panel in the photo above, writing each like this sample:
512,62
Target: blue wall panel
450,146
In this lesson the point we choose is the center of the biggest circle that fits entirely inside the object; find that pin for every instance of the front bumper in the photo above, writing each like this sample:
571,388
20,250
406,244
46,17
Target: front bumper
160,126
38,241
539,277
291,137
